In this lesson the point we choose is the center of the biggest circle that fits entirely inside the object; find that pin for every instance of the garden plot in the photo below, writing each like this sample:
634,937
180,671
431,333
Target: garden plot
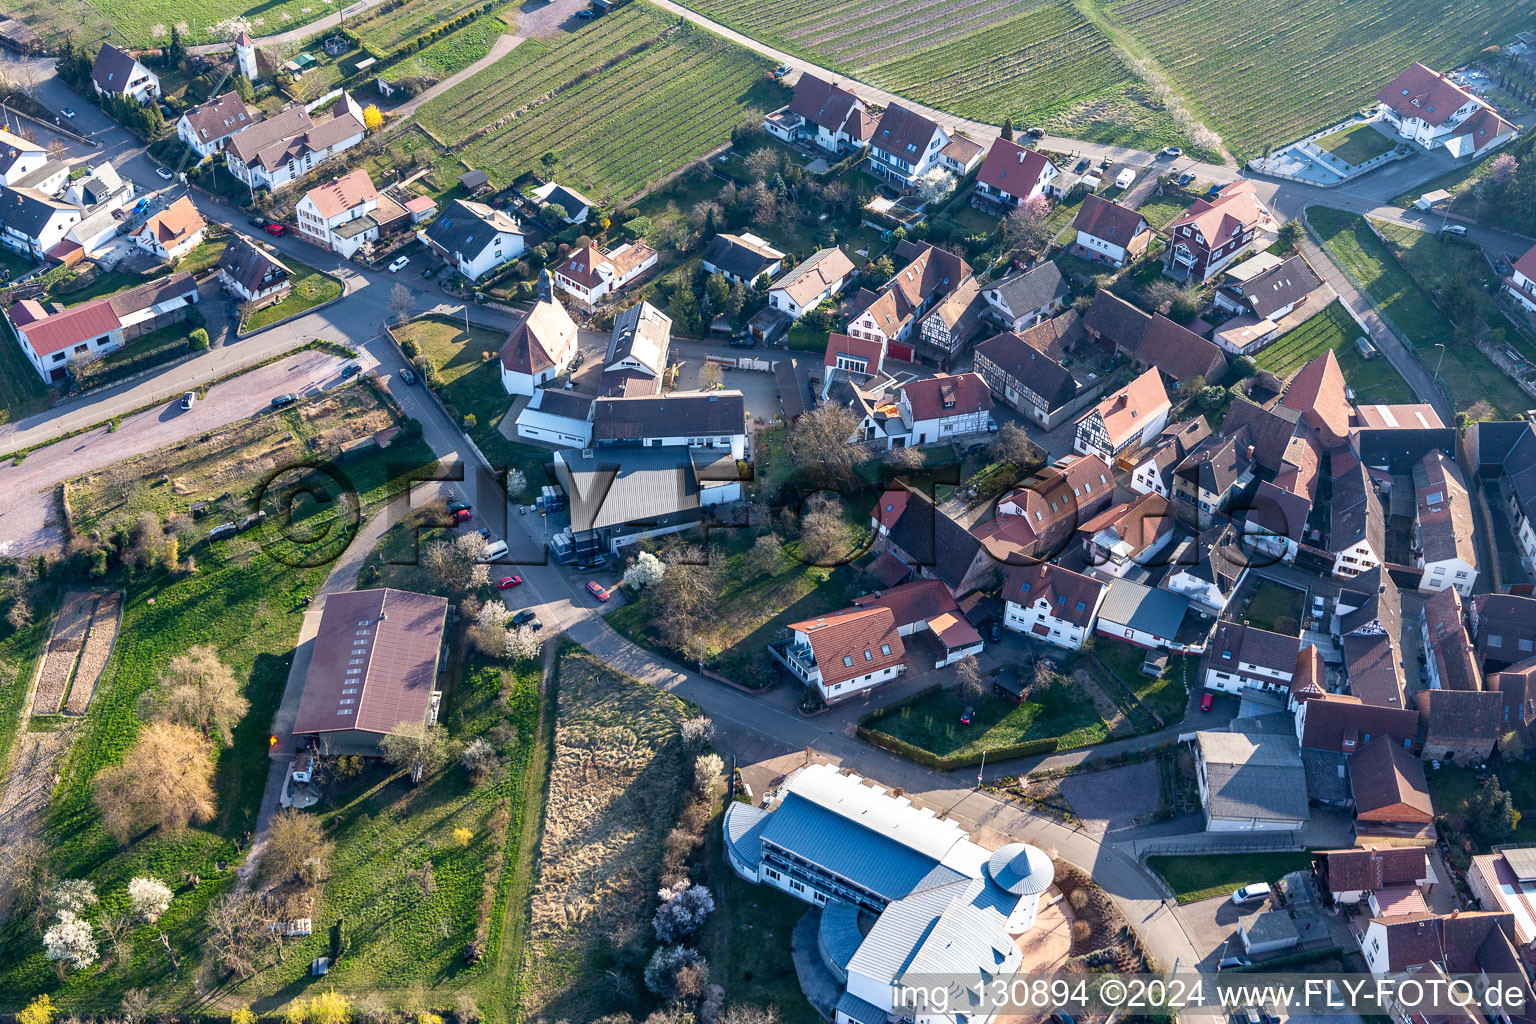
616,787
97,649
58,664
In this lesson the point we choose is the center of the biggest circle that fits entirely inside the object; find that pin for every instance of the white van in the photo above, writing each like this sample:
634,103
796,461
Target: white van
493,551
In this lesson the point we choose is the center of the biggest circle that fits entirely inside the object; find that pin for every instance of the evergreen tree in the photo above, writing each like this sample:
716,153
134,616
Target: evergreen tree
176,52
1007,133
711,229
683,308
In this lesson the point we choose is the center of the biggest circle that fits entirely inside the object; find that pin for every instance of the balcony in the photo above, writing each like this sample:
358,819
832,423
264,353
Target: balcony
795,657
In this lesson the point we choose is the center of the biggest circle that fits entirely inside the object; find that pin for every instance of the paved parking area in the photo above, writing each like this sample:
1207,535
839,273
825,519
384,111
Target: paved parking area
1212,923
27,516
1111,799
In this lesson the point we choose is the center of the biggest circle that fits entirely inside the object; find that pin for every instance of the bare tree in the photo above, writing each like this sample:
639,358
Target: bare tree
418,748
821,444
826,538
237,934
906,457
685,597
1012,444
972,683
202,692
710,376
163,782
456,564
1027,231
766,557
296,845
400,302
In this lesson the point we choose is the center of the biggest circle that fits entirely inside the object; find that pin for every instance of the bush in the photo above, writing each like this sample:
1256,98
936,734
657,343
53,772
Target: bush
198,340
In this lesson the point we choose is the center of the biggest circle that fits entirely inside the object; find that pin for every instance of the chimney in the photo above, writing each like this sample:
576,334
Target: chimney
1250,453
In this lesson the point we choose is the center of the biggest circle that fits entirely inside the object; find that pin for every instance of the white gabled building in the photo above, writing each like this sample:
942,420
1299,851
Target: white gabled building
906,145
116,73
338,215
1125,420
1240,657
1052,603
208,127
938,409
173,232
541,347
473,238
590,275
811,283
278,151
1430,110
845,654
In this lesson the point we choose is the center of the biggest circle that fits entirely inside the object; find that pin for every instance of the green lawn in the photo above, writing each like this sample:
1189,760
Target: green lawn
311,288
108,282
932,722
471,375
1374,381
1201,877
1356,144
1452,788
1477,386
1273,606
1159,210
1165,695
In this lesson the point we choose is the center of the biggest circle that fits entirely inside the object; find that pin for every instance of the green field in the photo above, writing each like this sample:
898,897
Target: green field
608,109
149,23
22,391
932,722
1230,59
1477,386
1375,381
383,27
456,51
1356,144
1198,878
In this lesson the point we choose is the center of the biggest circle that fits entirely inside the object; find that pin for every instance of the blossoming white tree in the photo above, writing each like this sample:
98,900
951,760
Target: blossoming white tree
149,897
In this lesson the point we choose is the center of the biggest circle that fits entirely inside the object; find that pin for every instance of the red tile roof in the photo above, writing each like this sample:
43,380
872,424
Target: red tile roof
852,643
911,603
1115,224
1129,410
1527,264
943,395
1317,392
1372,868
859,348
71,327
1072,596
174,223
1422,93
1234,210
1011,168
345,193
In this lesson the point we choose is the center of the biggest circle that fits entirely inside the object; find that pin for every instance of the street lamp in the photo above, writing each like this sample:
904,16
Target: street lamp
1441,346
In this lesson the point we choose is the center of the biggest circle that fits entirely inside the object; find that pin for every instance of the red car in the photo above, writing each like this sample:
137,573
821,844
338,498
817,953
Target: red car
1207,701
461,516
508,582
275,229
596,590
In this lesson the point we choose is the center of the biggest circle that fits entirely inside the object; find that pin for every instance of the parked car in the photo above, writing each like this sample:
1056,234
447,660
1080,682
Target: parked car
351,370
1207,701
586,14
1185,179
526,617
1251,893
462,515
1172,151
1226,963
966,715
282,400
257,222
494,551
484,532
508,582
455,507
1082,165
597,590
400,262
187,399
276,229
68,112
1213,192
1459,230
1035,133
164,173
407,375
782,70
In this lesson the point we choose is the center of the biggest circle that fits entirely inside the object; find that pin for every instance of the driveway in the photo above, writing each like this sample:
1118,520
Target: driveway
27,507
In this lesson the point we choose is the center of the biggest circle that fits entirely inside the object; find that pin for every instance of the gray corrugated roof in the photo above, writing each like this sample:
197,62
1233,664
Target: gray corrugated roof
856,1009
1152,611
1254,776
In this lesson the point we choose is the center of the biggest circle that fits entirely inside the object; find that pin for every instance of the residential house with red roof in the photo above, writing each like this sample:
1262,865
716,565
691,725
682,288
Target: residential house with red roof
208,127
1125,420
1109,233
1520,285
1010,175
925,609
280,150
1349,876
1277,519
53,337
1430,110
173,232
861,356
1024,374
1442,526
914,531
939,409
905,145
1389,789
1039,518
591,274
1152,468
1317,393
1127,535
541,346
1457,943
374,669
824,114
1213,232
1357,521
892,313
845,654
1052,603
337,215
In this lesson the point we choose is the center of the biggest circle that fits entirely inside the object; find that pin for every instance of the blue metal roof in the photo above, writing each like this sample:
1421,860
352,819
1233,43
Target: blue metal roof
866,858
744,823
839,932
857,1009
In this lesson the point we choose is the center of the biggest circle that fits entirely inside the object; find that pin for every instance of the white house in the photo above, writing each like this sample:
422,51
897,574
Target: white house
811,283
556,416
940,904
938,409
19,158
1127,419
253,274
173,232
1357,523
906,145
33,223
102,189
208,127
590,274
1025,298
336,215
577,207
743,258
822,113
1207,569
1430,110
115,73
1140,615
1110,233
1052,603
473,238
541,347
696,419
927,606
845,654
51,340
1128,535
1240,657
278,151
1520,285
1442,526
1012,174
